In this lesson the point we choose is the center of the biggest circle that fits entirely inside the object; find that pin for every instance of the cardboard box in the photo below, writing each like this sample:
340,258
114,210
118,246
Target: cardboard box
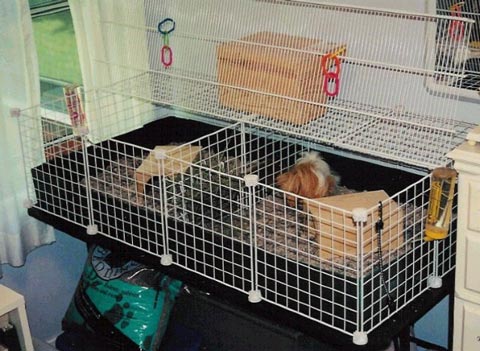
336,231
267,69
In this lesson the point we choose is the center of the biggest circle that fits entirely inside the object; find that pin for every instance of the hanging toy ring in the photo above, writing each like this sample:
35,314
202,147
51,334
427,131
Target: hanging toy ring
166,26
330,60
336,84
167,56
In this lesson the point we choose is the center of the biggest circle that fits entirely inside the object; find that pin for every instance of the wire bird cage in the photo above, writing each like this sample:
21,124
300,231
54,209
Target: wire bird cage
359,79
471,10
202,196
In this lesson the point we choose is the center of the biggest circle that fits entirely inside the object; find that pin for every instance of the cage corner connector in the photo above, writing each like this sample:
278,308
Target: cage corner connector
251,180
15,112
166,260
254,296
360,338
92,229
434,282
160,154
360,215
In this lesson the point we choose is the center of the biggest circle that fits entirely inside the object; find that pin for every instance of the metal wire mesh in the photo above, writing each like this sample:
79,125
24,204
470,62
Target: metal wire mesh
313,259
196,202
409,273
470,83
208,198
389,68
59,163
55,163
192,202
124,206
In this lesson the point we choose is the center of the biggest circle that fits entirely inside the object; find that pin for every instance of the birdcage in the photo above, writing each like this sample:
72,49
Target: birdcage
194,112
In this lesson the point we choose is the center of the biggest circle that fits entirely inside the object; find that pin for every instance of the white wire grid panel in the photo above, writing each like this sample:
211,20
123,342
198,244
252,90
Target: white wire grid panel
119,209
54,162
60,170
267,68
192,203
470,84
209,204
312,259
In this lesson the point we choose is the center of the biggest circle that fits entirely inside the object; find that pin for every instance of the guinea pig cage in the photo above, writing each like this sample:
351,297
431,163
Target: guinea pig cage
193,109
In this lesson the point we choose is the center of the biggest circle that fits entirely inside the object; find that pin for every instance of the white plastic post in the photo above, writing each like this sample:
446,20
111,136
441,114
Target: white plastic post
254,295
360,216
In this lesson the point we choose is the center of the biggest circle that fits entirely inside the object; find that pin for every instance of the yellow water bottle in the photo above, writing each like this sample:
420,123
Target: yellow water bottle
442,190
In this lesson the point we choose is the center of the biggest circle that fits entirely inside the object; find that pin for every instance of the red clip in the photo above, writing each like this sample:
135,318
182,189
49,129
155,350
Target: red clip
325,63
456,9
167,56
336,83
456,30
331,75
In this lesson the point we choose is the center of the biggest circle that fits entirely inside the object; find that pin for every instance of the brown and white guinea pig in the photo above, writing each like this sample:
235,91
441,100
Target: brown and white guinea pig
310,177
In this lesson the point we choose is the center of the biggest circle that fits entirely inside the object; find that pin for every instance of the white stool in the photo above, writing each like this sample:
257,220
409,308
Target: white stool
13,305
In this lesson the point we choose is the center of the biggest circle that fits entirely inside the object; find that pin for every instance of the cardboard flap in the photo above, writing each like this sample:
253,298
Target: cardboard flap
151,167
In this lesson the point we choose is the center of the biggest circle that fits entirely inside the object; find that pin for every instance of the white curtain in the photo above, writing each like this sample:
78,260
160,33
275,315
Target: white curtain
112,48
19,88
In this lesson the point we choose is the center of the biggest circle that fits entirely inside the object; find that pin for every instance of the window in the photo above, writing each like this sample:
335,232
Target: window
58,63
56,47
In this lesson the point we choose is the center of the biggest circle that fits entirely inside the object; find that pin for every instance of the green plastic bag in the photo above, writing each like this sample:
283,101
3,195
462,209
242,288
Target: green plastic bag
122,300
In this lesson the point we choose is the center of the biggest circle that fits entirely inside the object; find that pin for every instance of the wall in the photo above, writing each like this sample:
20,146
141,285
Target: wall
48,280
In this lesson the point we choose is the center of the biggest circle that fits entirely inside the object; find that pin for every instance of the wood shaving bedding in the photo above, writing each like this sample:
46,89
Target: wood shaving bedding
281,230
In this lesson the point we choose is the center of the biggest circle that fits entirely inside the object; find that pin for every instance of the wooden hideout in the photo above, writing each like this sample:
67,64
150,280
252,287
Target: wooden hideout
152,167
268,73
336,231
